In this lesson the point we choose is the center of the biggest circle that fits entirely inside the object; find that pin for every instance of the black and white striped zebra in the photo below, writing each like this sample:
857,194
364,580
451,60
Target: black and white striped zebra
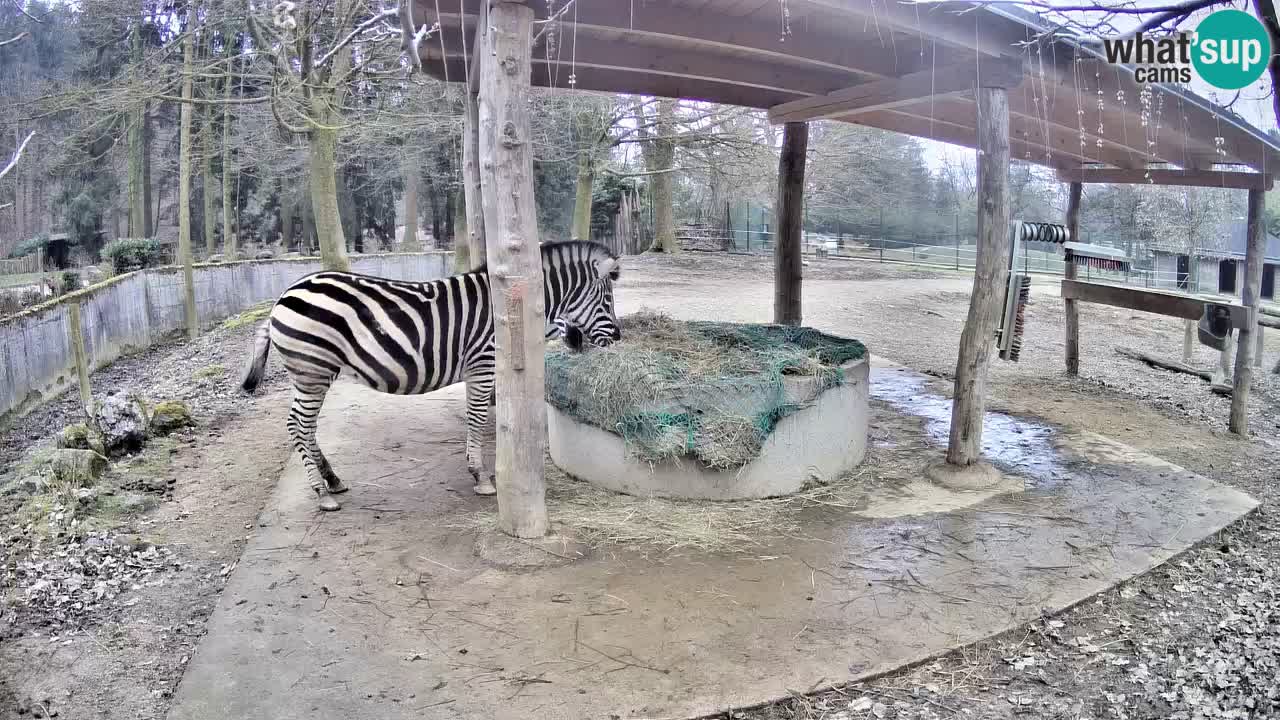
410,338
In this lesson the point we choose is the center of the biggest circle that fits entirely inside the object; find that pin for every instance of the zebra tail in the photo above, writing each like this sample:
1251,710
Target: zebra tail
258,363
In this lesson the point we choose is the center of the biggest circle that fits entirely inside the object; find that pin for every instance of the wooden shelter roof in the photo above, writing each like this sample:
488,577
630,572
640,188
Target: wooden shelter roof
901,67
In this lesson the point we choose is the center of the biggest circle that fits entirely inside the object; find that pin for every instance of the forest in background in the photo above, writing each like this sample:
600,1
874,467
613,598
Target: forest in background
306,125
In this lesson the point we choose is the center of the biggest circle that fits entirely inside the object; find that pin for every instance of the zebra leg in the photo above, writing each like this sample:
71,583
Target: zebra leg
308,396
479,396
331,479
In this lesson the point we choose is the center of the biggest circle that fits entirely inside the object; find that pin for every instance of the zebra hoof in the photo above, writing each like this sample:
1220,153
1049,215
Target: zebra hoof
485,488
329,504
337,487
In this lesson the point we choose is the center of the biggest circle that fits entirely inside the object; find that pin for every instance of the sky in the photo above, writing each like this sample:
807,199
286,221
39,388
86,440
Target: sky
1254,103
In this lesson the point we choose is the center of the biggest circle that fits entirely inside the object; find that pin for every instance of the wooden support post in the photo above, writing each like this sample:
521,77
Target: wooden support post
1257,350
1250,297
515,268
471,186
76,335
1069,272
787,268
965,443
1188,340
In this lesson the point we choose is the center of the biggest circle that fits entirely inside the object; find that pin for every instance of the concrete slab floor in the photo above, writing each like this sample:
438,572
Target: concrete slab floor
382,611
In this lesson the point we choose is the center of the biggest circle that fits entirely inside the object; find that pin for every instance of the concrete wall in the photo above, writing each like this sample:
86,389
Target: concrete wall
130,312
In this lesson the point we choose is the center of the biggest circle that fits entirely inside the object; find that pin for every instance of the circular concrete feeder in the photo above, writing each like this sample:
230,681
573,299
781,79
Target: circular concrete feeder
823,439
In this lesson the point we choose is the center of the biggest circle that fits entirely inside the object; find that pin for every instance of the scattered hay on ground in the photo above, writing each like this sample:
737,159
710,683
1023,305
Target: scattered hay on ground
249,317
598,517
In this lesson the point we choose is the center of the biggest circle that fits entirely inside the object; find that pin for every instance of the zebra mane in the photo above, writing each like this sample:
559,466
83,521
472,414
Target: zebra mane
586,245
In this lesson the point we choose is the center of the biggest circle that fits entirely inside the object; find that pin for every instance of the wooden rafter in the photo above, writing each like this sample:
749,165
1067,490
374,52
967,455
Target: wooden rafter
896,92
1198,178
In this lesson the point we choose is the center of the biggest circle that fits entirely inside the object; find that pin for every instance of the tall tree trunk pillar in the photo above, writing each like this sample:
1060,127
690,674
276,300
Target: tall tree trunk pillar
515,268
1250,297
965,443
582,197
472,194
228,197
1069,272
184,179
409,241
324,198
789,211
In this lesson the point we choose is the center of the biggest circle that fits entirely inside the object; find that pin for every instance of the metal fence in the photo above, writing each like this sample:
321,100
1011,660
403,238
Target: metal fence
961,254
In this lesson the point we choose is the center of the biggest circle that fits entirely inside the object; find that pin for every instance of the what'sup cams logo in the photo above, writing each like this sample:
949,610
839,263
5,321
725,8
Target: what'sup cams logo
1229,50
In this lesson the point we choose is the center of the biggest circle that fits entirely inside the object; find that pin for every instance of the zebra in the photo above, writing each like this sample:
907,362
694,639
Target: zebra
410,338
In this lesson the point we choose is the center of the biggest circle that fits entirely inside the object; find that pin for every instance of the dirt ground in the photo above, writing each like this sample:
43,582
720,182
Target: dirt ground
1199,637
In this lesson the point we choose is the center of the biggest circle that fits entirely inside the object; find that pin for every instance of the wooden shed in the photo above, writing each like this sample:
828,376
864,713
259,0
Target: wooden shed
992,78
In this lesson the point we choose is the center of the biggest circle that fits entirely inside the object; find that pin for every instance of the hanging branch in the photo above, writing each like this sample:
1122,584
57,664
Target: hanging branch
14,39
359,30
17,155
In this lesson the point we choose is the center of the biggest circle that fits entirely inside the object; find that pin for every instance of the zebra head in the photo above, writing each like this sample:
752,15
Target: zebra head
579,289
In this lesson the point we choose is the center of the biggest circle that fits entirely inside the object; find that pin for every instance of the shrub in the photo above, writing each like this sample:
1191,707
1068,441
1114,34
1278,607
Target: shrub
70,281
128,254
29,246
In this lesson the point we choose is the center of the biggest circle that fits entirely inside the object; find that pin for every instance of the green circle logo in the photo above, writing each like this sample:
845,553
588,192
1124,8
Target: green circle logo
1231,49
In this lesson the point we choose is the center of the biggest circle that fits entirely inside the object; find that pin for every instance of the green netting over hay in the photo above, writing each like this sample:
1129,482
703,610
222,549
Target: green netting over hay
710,390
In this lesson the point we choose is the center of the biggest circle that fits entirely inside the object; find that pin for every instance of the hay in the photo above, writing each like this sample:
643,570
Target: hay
710,391
599,518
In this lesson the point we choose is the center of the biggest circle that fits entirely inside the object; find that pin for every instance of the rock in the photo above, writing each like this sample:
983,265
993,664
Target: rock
169,415
157,485
134,503
77,468
93,274
216,258
122,422
264,255
75,437
86,497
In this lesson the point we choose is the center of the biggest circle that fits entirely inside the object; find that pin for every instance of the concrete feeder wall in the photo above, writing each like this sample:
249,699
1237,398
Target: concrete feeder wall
819,442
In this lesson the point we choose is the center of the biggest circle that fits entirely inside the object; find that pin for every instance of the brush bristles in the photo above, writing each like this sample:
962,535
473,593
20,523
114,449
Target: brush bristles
1019,320
1098,263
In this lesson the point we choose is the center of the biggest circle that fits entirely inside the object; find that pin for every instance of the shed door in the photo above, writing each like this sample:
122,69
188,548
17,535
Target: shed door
1227,277
1184,271
1268,281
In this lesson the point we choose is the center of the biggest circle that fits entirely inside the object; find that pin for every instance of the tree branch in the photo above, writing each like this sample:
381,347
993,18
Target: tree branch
353,34
14,39
17,155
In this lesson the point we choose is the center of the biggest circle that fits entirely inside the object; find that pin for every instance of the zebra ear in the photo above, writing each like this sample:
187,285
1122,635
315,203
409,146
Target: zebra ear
608,268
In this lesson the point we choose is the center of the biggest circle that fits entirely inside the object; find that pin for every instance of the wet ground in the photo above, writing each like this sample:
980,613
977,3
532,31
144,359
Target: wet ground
382,611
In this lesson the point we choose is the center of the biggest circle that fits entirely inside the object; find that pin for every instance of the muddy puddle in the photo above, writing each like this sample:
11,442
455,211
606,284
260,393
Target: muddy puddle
1012,444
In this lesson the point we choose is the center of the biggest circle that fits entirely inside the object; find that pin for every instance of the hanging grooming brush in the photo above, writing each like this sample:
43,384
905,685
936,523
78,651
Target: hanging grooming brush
1097,257
1017,291
1017,297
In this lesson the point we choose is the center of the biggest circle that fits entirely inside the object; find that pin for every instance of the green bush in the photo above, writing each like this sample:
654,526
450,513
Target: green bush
29,246
127,254
70,281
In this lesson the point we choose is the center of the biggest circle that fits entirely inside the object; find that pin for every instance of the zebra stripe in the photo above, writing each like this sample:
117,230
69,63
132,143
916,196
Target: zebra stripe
410,338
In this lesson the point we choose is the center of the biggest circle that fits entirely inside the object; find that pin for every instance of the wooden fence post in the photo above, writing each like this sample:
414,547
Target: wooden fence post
515,268
1069,272
1250,297
787,268
964,446
76,334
